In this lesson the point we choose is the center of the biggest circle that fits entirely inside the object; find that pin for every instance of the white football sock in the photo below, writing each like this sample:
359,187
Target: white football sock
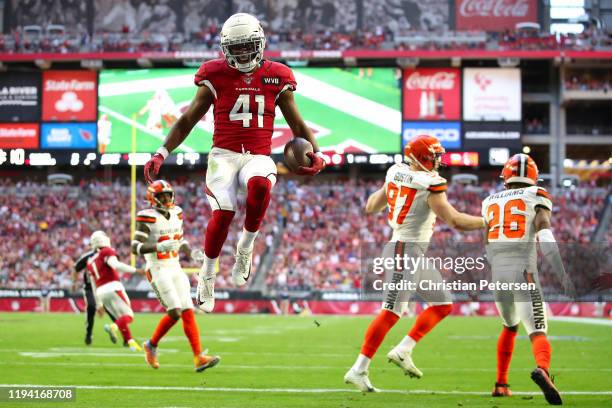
208,267
361,364
246,239
407,344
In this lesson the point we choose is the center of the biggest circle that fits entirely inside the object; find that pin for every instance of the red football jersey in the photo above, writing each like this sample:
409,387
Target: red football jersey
245,104
99,269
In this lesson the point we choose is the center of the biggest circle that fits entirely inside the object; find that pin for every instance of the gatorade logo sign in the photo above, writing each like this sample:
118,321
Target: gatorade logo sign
69,96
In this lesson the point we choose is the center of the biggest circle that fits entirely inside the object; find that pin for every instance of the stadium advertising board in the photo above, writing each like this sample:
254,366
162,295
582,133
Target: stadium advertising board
69,95
449,133
348,110
19,96
491,134
432,94
68,136
18,136
492,94
494,15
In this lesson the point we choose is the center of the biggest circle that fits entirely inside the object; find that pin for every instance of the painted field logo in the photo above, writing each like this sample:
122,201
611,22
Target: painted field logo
271,80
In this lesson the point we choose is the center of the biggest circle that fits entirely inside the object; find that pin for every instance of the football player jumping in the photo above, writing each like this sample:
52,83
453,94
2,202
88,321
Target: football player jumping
159,237
245,90
516,217
415,195
108,289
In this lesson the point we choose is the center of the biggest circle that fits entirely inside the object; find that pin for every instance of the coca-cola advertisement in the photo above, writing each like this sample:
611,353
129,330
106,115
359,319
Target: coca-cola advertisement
494,15
69,96
492,94
432,94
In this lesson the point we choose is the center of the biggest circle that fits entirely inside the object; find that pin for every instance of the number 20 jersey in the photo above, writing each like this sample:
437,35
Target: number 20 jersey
245,104
407,192
162,229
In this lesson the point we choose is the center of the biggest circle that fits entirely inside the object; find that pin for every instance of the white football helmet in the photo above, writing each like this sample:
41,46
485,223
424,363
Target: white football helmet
242,42
99,239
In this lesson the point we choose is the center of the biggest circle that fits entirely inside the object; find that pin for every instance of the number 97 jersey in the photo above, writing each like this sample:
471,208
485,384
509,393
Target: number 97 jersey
161,229
245,104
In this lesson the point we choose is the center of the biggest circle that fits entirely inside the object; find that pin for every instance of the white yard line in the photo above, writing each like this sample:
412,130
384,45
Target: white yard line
285,390
583,320
281,367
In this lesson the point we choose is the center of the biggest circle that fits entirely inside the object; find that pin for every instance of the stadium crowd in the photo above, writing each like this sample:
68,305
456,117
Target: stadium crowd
321,227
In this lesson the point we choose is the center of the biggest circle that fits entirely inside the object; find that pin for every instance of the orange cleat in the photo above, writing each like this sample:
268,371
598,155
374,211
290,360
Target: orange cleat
204,361
150,354
501,390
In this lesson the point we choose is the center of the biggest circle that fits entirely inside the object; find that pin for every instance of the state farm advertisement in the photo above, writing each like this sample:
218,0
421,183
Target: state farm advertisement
69,95
492,94
18,136
432,94
494,15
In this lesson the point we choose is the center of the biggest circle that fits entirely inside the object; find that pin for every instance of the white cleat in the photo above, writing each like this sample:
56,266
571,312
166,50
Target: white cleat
242,267
205,293
359,380
403,359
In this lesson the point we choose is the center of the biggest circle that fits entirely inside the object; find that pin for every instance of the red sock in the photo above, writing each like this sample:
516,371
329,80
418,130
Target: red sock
428,319
257,200
216,232
377,330
122,323
165,324
505,347
541,351
191,331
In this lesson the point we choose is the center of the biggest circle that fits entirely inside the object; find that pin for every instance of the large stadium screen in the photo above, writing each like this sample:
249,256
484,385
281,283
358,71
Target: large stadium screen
349,110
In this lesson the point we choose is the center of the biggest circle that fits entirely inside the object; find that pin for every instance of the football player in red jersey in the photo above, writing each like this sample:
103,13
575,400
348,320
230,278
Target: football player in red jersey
108,289
245,90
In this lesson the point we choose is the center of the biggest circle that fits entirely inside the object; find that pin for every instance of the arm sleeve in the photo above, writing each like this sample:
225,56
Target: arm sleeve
81,263
114,263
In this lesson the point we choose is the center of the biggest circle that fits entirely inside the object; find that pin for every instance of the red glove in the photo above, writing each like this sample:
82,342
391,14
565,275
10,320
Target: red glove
152,167
317,165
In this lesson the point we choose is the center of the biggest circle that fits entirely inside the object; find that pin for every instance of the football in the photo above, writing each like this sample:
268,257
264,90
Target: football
295,154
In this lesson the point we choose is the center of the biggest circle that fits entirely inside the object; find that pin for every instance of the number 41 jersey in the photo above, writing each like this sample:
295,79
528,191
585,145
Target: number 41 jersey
407,192
161,229
245,104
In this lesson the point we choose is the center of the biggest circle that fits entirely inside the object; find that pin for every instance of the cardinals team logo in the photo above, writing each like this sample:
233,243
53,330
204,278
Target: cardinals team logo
86,135
247,79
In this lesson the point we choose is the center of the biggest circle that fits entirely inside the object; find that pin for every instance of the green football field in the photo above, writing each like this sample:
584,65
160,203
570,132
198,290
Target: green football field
344,110
271,361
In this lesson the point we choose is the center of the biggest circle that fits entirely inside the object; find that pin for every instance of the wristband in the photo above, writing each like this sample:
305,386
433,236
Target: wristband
320,155
163,151
545,235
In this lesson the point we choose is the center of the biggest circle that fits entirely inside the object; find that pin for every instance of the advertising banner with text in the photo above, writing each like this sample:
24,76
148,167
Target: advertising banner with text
492,94
494,15
70,95
431,94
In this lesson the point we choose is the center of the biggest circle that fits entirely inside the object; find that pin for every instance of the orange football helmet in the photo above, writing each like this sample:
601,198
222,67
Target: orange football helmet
157,187
520,168
426,151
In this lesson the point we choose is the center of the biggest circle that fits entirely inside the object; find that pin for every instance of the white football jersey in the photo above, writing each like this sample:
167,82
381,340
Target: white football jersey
407,191
162,229
510,213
